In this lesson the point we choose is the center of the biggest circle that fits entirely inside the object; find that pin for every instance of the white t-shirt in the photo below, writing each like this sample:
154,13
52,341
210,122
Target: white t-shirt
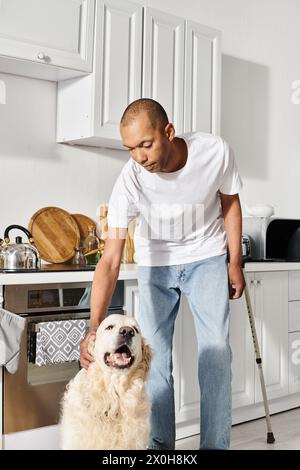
179,216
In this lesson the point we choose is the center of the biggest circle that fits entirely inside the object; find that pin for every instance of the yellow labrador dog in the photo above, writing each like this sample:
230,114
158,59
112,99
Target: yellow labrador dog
106,407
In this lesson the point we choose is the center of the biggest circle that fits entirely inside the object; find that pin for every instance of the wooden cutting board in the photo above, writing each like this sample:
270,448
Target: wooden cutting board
83,222
55,233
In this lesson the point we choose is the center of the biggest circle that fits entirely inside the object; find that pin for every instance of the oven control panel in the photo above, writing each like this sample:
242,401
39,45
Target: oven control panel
37,298
43,298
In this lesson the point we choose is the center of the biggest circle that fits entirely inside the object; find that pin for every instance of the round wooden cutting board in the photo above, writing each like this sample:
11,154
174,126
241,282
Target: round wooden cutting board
83,222
55,233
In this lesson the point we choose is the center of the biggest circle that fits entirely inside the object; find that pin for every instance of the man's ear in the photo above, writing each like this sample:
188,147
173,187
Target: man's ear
170,131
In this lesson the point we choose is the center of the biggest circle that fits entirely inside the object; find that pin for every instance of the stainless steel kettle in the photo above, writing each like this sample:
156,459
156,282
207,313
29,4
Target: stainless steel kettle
1,253
19,255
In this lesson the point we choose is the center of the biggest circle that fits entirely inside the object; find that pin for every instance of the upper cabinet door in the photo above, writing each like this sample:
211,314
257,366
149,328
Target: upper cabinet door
118,64
89,109
202,79
53,32
163,63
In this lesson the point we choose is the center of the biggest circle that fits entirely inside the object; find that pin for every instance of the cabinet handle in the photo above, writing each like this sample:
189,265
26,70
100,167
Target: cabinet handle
259,283
41,56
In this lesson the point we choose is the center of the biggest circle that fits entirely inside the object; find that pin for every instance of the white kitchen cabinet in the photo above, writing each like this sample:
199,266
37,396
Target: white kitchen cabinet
185,363
163,63
242,351
141,53
202,79
294,362
294,316
47,39
131,293
269,297
44,438
294,285
89,108
294,332
271,316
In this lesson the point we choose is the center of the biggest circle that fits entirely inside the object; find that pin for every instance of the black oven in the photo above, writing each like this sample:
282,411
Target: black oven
32,395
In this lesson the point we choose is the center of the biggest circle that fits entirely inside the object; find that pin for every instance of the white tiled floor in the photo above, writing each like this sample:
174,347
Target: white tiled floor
252,435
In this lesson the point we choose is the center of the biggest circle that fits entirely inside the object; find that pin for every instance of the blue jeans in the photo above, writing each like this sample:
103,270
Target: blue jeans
205,284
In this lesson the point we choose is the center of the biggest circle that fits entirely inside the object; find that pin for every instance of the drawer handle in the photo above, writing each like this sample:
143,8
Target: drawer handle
256,282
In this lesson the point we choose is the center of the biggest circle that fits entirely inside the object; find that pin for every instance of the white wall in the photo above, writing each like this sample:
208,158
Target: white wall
35,171
260,43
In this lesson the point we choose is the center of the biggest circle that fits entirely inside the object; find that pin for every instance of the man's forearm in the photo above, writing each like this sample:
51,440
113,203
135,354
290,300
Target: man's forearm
104,282
233,225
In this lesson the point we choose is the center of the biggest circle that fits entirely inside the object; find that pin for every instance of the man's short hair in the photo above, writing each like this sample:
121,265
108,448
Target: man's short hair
156,113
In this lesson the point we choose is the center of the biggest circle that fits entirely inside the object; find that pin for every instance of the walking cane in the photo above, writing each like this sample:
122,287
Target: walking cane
270,435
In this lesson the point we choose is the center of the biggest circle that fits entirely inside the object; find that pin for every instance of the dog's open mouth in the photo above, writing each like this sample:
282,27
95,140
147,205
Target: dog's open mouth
120,359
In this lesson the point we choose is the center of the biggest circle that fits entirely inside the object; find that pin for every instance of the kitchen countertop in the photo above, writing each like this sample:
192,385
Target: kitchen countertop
274,265
61,273
68,273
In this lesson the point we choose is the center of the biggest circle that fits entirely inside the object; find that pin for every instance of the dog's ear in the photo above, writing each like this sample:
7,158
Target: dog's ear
91,346
146,356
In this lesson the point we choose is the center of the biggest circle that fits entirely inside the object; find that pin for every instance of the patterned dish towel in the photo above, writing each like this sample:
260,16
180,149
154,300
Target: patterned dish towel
11,330
59,341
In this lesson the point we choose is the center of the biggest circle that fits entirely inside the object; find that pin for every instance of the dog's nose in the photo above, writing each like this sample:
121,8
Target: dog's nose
126,332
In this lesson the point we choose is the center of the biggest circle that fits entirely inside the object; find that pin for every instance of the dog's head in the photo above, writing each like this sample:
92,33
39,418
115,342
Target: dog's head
119,345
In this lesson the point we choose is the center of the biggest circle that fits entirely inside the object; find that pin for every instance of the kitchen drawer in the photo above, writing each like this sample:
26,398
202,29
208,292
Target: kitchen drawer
294,362
294,285
294,316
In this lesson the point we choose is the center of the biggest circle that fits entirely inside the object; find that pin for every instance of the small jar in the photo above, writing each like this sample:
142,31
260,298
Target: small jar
79,258
91,247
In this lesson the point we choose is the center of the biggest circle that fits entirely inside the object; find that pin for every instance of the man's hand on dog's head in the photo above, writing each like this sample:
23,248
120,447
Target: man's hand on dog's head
85,357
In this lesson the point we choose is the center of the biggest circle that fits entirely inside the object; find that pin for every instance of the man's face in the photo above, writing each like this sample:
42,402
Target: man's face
147,146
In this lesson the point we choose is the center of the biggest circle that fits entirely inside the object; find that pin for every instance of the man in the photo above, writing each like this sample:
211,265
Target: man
184,192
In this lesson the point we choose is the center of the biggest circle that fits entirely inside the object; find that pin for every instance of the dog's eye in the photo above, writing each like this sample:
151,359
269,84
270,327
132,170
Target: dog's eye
109,327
